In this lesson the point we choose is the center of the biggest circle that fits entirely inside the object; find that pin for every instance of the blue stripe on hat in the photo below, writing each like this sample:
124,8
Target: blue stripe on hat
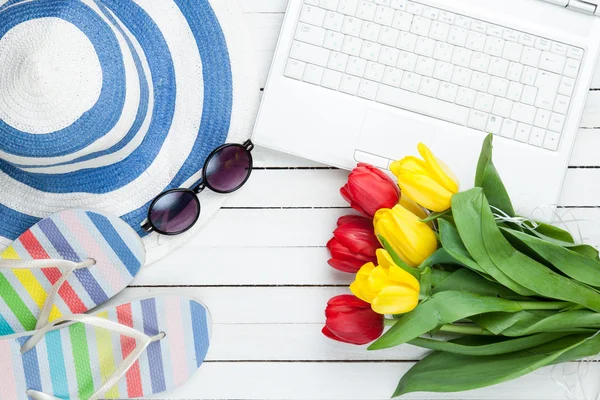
104,115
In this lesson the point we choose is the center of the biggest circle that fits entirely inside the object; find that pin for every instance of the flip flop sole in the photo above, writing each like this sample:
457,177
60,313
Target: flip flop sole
74,235
73,362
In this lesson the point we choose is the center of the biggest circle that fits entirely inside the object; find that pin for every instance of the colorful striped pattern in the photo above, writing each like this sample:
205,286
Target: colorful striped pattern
74,235
73,362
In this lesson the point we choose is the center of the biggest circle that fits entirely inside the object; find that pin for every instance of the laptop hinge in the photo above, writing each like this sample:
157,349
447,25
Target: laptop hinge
583,6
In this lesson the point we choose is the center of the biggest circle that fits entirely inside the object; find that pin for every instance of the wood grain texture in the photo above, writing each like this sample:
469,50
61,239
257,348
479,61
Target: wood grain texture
261,268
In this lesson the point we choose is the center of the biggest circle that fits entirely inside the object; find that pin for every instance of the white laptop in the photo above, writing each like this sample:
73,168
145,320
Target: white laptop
367,80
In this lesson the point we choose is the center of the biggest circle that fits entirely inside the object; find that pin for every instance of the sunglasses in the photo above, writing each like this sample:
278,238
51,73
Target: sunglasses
226,170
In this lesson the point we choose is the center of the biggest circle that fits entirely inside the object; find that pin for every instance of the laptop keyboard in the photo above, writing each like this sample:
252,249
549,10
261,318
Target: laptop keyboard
430,61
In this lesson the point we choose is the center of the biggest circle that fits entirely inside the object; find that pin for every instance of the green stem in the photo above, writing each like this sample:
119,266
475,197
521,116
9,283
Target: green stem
451,328
544,305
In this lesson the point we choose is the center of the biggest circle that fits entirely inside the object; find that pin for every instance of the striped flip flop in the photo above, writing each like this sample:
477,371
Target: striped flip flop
134,350
68,263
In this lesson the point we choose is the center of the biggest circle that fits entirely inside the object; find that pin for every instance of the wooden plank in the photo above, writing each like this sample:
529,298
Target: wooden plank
349,381
231,266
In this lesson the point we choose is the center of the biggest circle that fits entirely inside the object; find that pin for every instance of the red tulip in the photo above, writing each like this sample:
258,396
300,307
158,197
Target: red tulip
353,244
351,320
369,189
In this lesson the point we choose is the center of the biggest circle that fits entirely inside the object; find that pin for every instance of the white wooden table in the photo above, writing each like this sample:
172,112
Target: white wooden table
261,268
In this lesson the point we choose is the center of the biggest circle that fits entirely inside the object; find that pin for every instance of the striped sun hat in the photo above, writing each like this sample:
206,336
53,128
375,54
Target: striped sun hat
104,104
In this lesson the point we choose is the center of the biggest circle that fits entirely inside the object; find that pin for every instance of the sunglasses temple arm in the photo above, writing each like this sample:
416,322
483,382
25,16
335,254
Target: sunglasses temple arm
147,227
248,145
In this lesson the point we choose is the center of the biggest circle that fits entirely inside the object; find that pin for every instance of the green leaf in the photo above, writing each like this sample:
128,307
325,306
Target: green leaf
488,178
486,244
436,215
440,256
455,246
413,271
448,372
441,309
425,282
554,232
568,262
465,280
486,345
499,322
562,321
562,238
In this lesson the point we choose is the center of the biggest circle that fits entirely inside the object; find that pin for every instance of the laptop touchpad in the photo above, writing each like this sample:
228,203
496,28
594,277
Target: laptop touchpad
391,136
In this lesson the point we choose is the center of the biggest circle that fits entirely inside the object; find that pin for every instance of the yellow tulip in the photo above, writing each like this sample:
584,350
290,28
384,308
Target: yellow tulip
389,288
412,240
429,182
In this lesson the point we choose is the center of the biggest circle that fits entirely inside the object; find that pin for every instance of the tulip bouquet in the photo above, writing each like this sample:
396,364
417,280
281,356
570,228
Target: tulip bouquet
494,295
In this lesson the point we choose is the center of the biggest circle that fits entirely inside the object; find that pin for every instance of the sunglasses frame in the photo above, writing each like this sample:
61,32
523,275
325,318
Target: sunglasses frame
248,146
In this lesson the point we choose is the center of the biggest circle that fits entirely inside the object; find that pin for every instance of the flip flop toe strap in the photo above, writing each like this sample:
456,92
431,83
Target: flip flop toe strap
142,342
66,268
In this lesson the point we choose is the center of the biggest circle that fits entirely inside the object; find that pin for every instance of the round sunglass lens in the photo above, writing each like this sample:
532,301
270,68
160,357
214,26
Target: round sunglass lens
228,169
175,212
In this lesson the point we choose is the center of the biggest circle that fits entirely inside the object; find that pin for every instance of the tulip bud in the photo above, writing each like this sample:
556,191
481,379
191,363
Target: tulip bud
369,189
351,320
412,240
429,182
354,244
389,288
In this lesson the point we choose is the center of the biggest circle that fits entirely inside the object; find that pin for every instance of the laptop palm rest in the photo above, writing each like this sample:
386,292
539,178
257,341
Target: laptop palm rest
391,137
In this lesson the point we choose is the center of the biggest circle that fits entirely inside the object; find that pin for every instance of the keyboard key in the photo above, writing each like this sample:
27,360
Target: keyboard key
527,40
561,105
352,46
388,36
310,34
552,62
523,113
479,26
512,51
368,89
552,140
425,66
542,119
398,4
366,10
458,36
529,76
543,44
511,35
414,8
389,56
498,67
370,51
332,79
494,125
350,84
476,41
312,15
333,21
567,85
402,21
494,46
498,86
478,120
447,17
384,15
407,41
480,62
515,71
495,31
338,61
547,84
333,41
509,127
370,31
465,97
431,13
439,31
480,81
529,95
356,66
462,57
429,87
448,92
411,82
444,71
309,53
425,46
515,91
502,107
523,132
331,5
392,76
575,53
537,136
313,74
572,68
463,22
407,61
420,26
374,71
462,76
351,26
294,69
559,48
347,7
484,102
531,56
423,105
557,122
